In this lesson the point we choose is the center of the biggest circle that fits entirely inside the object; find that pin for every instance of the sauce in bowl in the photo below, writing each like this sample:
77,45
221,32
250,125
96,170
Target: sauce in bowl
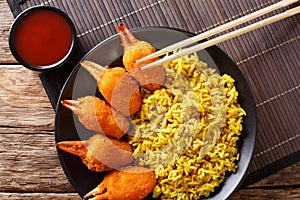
42,37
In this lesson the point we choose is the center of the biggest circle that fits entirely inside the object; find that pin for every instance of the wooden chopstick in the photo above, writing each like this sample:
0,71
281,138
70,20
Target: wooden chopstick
227,36
218,29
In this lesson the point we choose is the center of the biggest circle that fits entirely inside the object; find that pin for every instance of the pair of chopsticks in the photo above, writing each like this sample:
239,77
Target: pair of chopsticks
219,29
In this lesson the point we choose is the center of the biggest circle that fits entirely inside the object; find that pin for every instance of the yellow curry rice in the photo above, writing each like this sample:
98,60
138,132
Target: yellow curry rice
188,131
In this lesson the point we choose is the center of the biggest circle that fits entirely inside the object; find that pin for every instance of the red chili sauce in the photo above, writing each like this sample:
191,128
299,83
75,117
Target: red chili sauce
43,37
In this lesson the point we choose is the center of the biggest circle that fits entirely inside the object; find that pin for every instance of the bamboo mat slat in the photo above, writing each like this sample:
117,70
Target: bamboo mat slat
268,58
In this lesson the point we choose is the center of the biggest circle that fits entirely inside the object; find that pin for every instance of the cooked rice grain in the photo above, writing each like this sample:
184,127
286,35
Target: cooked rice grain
188,131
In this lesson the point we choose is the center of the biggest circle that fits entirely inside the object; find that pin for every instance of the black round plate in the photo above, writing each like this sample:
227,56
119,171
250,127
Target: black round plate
109,52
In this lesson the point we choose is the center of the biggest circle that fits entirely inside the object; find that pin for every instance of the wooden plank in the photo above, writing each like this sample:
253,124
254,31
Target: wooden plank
282,185
29,163
40,196
284,178
246,194
24,105
5,22
264,194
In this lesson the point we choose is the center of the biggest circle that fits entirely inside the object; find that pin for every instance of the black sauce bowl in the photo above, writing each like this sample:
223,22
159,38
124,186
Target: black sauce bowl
12,35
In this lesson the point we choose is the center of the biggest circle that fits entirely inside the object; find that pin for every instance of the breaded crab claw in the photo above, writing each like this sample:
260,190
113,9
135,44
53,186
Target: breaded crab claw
151,79
95,114
117,86
100,153
132,182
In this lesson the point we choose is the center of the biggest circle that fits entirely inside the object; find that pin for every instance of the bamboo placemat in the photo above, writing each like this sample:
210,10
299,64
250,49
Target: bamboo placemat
268,58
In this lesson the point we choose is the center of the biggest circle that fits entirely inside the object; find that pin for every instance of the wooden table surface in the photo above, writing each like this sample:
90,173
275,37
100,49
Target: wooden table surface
29,166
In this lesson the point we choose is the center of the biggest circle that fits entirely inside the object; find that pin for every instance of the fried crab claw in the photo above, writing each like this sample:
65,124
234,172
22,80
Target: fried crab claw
95,114
100,153
93,68
131,182
117,86
134,49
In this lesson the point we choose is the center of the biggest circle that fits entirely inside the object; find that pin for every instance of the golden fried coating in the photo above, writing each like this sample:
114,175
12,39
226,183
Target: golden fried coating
123,92
109,79
152,78
100,153
93,163
109,151
132,182
118,88
95,114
